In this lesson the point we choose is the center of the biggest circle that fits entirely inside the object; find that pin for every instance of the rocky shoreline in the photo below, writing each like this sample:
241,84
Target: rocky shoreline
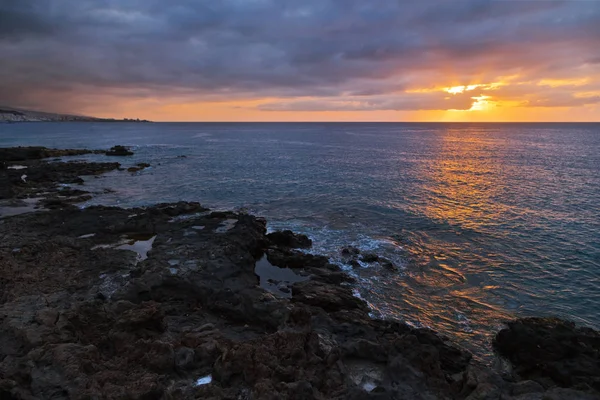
175,301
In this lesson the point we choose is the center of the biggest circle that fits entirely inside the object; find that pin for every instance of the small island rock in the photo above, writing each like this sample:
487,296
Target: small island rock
119,151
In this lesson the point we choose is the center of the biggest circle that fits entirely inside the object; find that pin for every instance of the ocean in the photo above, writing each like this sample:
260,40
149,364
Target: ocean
486,222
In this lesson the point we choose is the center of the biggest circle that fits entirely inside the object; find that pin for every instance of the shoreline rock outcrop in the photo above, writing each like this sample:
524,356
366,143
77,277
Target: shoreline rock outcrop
14,115
26,174
119,151
552,352
164,302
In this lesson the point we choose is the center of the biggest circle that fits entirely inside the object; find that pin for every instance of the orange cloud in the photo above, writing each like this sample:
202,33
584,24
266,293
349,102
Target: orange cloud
264,61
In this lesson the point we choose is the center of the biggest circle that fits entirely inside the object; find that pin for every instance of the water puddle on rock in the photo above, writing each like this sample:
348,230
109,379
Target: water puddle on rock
226,225
276,280
16,207
141,244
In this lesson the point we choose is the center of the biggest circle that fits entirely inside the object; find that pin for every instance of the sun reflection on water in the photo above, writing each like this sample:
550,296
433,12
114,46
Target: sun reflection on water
446,285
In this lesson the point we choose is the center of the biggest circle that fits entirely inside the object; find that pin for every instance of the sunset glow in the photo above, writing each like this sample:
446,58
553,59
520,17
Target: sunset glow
322,61
460,89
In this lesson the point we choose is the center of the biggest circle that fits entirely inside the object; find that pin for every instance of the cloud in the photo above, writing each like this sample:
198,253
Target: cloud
338,54
403,102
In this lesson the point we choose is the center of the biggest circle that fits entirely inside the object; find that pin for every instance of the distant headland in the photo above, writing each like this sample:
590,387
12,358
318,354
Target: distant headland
10,114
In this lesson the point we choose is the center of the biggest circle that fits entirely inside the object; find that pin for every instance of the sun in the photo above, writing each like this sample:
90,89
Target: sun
481,103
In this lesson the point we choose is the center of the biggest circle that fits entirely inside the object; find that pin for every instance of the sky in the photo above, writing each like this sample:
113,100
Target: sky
304,60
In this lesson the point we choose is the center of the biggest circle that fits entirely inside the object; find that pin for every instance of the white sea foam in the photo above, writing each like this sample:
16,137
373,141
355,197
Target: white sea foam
330,242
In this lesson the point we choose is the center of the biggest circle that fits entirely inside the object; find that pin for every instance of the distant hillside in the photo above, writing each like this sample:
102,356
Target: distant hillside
10,114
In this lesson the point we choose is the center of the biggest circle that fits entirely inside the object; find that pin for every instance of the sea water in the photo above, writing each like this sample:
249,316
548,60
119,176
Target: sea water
486,222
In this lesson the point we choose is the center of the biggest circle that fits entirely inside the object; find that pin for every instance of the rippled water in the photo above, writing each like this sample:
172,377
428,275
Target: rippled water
487,221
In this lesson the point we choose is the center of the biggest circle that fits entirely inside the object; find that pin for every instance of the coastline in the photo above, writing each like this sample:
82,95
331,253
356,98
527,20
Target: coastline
16,115
82,317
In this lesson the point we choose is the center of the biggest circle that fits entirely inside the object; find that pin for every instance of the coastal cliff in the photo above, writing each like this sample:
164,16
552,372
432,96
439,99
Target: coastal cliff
175,301
9,114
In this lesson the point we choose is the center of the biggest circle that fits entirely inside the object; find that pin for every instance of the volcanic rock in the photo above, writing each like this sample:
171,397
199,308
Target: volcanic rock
289,239
549,348
119,151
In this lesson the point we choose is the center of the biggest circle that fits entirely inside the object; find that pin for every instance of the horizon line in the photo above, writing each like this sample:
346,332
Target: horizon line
373,122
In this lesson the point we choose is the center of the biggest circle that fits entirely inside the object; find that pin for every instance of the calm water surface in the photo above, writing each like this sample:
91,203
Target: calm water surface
486,221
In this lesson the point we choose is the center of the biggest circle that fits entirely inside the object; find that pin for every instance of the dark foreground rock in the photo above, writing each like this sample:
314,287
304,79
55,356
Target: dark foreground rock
82,318
9,154
119,151
146,303
289,239
25,174
138,167
552,352
352,255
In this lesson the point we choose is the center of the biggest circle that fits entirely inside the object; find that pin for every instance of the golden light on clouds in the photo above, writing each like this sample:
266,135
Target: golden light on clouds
509,98
564,82
481,103
460,89
263,60
585,95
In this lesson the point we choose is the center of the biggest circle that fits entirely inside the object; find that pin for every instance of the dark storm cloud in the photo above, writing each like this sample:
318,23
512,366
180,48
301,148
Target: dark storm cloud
225,49
21,19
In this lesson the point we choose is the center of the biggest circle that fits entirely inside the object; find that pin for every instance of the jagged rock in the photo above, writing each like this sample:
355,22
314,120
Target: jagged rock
327,297
289,239
81,319
569,394
525,387
369,257
138,167
485,391
147,317
38,152
159,356
296,260
45,177
350,251
387,264
553,349
119,151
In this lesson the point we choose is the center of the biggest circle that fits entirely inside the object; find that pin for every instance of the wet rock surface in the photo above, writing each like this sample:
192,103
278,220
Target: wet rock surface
552,352
27,175
138,167
289,239
11,154
352,256
119,151
83,318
